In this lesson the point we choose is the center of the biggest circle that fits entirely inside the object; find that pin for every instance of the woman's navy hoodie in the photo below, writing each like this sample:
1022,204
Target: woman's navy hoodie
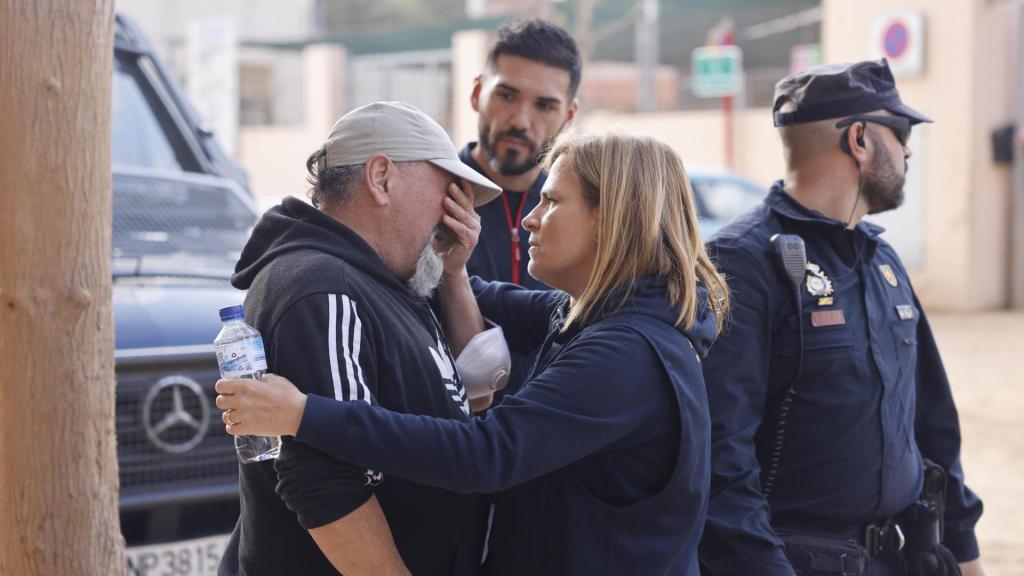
601,461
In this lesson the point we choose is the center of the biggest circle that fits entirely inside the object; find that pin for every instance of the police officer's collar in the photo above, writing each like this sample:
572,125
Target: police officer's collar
786,206
865,238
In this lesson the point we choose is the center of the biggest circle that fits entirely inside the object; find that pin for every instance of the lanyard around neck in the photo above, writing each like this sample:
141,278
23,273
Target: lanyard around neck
513,226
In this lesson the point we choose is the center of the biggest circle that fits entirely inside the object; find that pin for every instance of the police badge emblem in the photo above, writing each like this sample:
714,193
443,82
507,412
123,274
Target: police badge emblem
889,275
817,282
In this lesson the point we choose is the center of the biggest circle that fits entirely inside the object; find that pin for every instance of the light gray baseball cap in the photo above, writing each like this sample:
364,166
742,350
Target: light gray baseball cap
404,134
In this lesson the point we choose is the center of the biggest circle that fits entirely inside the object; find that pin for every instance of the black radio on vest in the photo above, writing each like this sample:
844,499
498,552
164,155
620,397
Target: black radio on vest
791,256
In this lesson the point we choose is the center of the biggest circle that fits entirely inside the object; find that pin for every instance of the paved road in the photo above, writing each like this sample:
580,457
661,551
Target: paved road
984,354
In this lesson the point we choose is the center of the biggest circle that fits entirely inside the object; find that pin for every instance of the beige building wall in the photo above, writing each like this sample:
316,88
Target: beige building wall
699,138
970,47
996,65
469,54
615,86
968,86
275,156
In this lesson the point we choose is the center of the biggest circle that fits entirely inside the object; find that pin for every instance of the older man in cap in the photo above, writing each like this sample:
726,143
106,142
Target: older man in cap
835,440
339,292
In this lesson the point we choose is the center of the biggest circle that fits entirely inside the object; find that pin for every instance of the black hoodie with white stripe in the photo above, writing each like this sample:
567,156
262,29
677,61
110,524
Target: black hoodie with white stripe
338,323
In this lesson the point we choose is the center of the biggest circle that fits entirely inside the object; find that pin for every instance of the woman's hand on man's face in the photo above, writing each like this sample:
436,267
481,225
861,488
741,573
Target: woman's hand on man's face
461,229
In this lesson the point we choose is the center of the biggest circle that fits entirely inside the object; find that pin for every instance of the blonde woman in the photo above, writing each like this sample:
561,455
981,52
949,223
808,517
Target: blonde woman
600,463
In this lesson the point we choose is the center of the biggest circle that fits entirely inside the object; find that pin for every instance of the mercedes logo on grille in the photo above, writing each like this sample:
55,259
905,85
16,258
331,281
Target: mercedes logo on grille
176,414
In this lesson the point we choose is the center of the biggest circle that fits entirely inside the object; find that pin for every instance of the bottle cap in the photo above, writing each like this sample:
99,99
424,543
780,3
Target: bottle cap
232,313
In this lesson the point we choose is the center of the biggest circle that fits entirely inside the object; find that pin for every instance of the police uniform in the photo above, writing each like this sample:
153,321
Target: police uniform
872,400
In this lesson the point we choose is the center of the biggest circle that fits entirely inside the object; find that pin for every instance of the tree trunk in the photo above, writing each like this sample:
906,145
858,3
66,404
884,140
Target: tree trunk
58,454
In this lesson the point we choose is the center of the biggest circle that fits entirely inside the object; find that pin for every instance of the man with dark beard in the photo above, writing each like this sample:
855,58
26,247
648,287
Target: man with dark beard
835,440
339,292
525,97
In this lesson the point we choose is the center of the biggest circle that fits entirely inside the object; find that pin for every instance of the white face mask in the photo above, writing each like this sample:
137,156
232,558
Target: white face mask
484,363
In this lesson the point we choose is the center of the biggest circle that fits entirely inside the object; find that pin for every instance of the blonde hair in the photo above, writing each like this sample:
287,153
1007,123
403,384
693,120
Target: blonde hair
646,223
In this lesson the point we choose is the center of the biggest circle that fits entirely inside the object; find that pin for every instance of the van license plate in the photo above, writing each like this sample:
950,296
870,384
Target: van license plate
198,557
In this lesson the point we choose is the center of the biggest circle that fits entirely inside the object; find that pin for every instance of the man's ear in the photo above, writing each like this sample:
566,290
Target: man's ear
856,142
570,114
474,97
377,172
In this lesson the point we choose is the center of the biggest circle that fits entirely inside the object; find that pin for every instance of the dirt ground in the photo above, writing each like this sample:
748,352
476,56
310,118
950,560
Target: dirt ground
983,355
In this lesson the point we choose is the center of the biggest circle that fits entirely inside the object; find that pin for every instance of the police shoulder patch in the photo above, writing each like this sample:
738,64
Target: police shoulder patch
889,275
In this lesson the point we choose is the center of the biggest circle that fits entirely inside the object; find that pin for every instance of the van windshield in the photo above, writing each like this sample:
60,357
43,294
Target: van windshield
138,134
178,227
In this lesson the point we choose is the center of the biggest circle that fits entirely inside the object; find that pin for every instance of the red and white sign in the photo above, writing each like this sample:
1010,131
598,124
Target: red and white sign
899,37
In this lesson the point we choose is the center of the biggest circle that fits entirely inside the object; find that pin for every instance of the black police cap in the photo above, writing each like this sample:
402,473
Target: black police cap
840,90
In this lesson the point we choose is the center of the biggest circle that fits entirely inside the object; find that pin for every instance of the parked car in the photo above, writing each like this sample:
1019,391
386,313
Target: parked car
181,214
722,196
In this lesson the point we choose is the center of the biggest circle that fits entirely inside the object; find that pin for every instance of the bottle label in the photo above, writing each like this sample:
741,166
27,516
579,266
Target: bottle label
242,358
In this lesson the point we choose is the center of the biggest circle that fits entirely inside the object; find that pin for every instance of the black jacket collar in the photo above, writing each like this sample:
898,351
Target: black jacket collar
787,208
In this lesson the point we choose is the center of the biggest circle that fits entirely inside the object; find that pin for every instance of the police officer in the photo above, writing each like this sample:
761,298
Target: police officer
827,393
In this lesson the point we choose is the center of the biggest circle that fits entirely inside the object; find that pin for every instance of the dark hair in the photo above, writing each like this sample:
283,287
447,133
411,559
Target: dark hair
540,41
330,183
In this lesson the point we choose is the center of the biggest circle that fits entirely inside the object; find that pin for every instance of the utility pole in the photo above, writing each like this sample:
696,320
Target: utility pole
584,24
646,42
723,33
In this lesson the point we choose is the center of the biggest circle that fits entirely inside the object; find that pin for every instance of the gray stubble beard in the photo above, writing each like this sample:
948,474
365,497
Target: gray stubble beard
429,269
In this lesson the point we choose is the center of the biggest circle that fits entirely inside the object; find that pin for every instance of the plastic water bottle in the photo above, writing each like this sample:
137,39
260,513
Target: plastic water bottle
240,355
